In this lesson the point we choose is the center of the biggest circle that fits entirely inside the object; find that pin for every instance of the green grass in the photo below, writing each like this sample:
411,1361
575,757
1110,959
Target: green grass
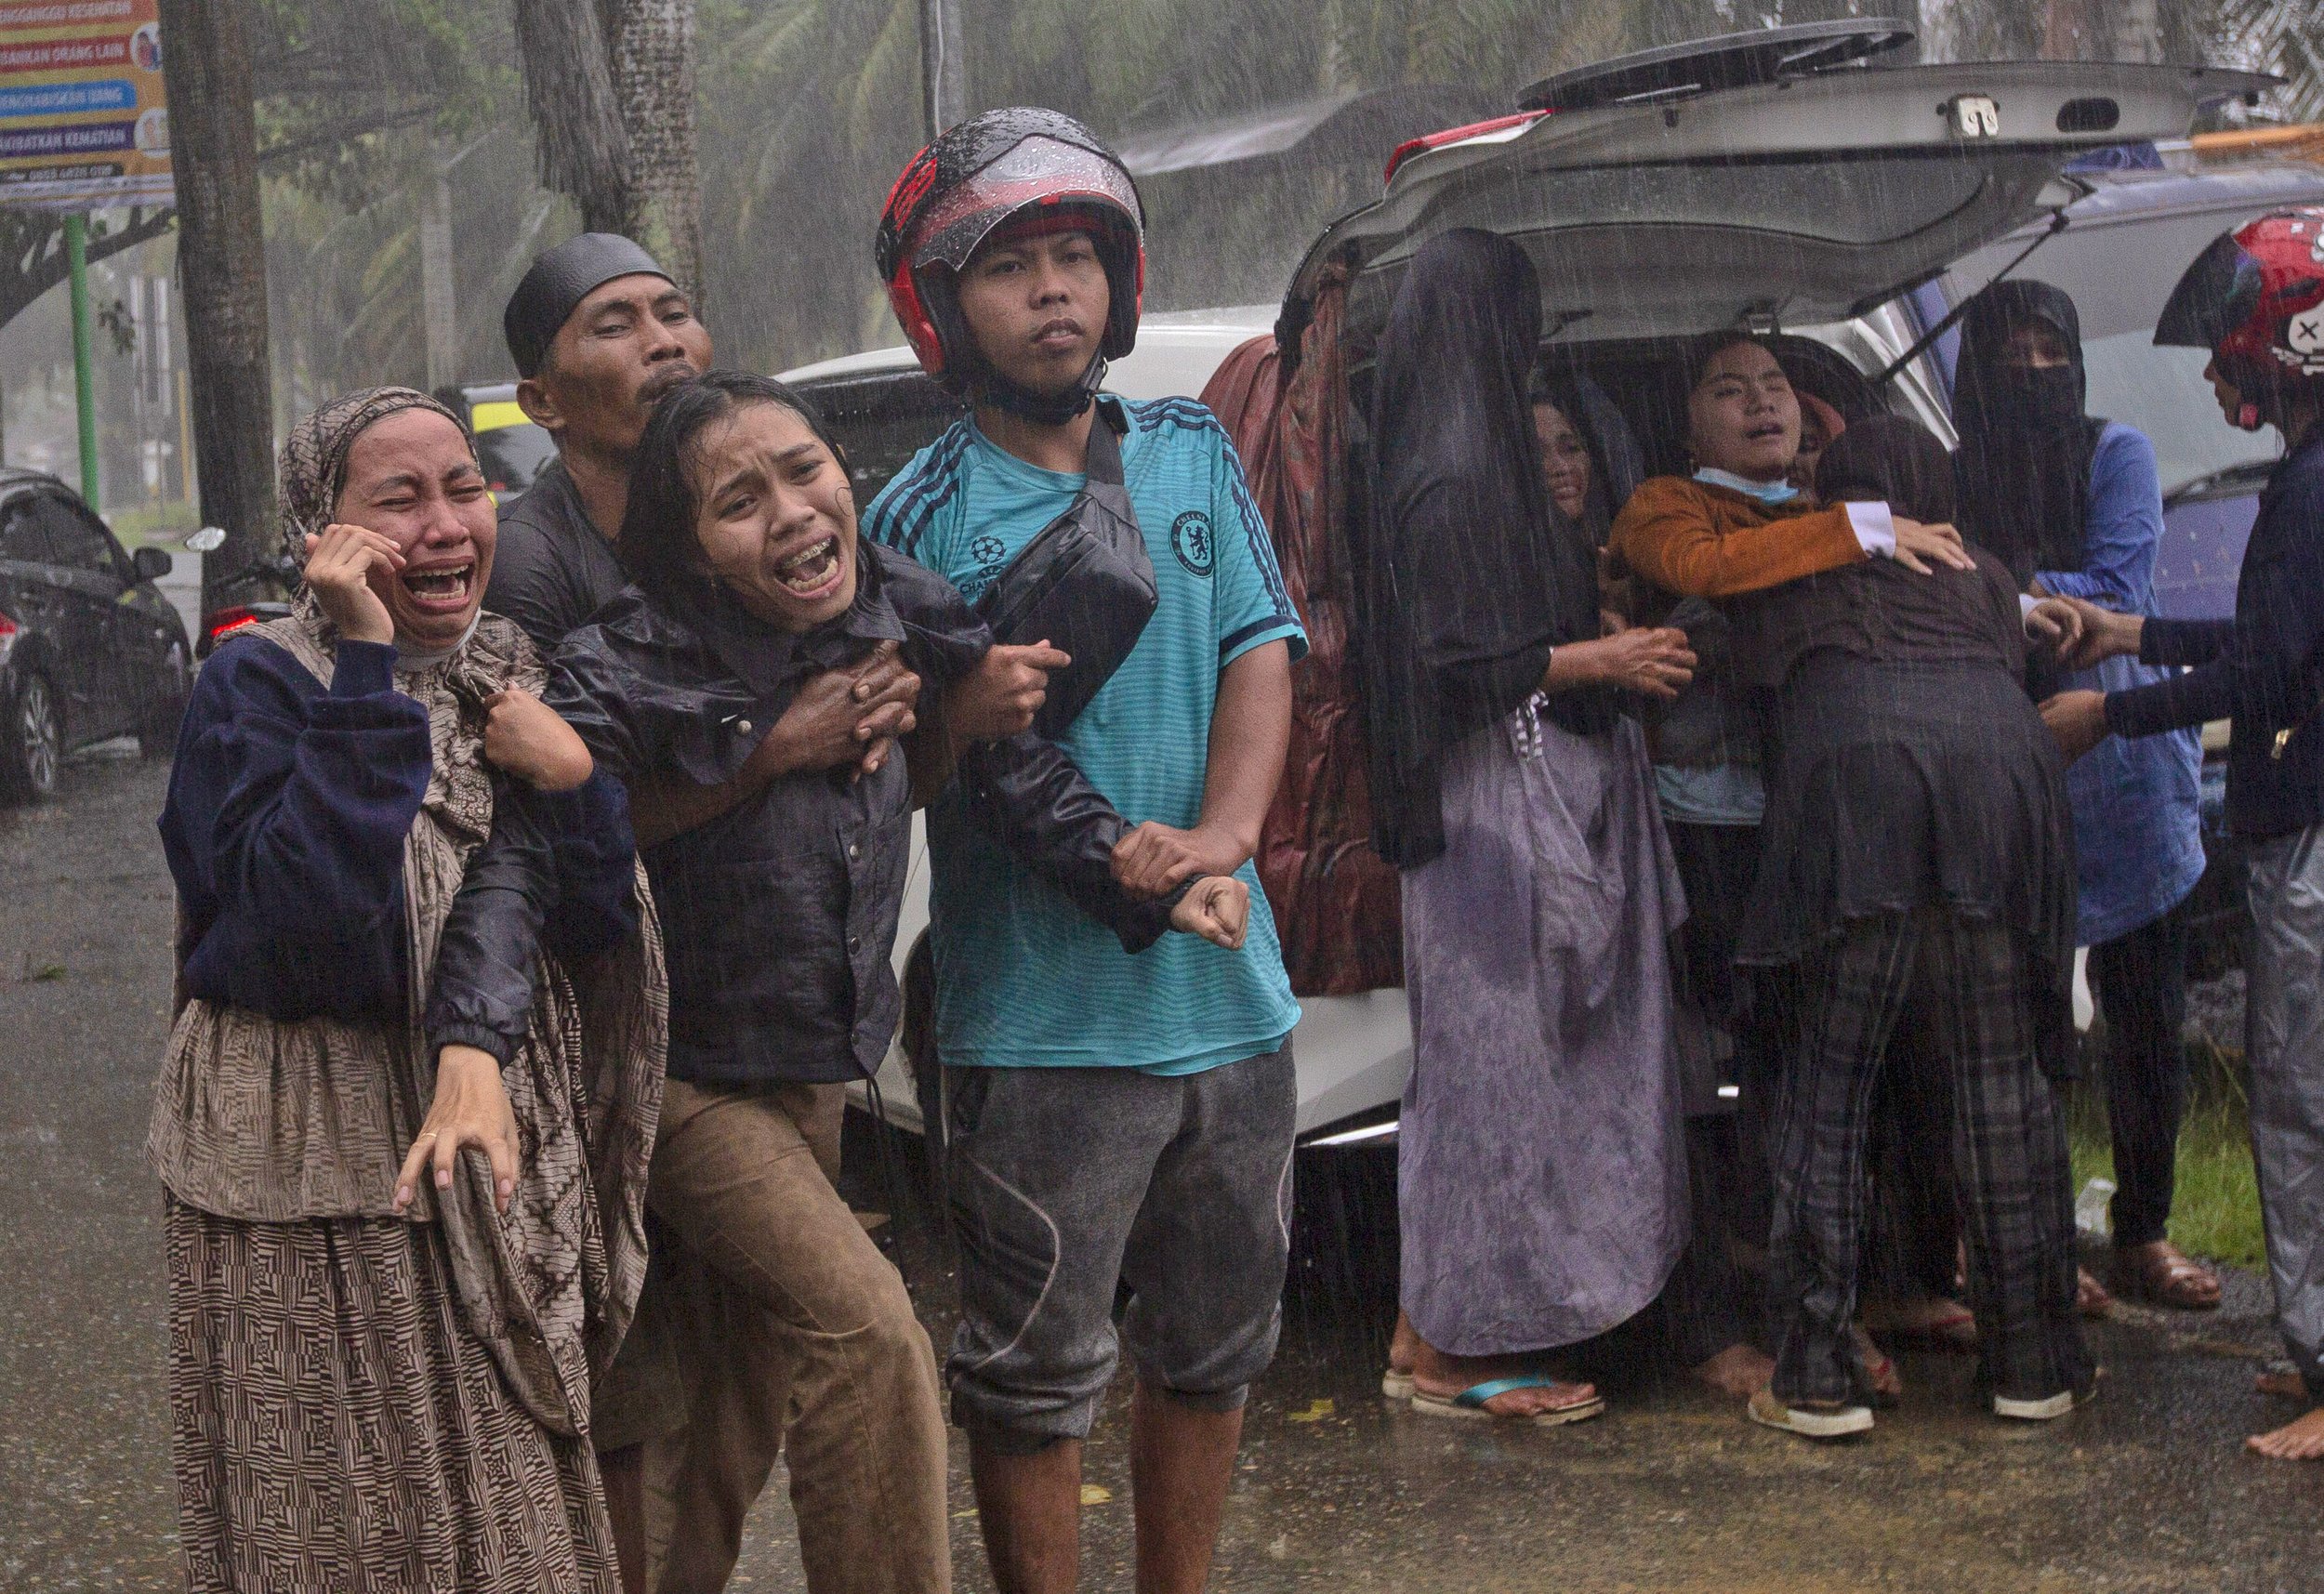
2215,1209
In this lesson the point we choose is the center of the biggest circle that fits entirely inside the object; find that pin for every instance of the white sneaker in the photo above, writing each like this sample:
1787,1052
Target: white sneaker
1808,1422
2046,1409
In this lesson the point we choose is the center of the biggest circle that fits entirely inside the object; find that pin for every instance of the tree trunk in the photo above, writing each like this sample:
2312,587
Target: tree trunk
611,85
222,272
654,85
562,46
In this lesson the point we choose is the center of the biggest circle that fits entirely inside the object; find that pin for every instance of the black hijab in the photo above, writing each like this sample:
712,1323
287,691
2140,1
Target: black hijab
1464,579
1891,459
1616,464
2026,444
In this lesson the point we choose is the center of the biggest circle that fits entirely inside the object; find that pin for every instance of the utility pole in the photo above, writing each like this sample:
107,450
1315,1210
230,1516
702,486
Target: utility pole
944,66
221,267
84,364
439,309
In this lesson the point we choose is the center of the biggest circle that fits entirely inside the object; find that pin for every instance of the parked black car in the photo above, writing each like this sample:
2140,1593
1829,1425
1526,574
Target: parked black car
90,647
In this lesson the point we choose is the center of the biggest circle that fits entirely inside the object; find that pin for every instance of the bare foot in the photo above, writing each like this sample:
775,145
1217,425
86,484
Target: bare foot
1443,1377
1739,1370
2090,1296
2299,1440
2284,1386
1404,1346
1879,1368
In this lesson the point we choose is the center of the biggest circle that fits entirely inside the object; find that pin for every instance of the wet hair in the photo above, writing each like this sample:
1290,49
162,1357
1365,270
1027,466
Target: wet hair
1712,344
658,546
1892,459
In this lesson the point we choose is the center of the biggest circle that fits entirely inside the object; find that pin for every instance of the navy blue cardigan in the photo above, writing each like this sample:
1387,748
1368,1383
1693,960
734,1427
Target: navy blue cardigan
285,828
2259,669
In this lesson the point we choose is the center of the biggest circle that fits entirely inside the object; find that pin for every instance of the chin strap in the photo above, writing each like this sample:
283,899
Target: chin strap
989,386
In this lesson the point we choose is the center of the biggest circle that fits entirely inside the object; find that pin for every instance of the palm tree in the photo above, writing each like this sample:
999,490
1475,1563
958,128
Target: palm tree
611,85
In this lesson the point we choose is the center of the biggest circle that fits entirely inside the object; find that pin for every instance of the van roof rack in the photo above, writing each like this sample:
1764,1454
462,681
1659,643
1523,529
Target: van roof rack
1731,61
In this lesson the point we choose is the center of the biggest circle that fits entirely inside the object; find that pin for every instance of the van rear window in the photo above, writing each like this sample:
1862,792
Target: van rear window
882,421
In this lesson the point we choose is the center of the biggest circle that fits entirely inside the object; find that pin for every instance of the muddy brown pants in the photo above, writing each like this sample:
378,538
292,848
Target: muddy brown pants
802,1338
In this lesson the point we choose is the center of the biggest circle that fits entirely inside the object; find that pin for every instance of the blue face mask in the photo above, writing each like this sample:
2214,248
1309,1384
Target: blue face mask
1769,493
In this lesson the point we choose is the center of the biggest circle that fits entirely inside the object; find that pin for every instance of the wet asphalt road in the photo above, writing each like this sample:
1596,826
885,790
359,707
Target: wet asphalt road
2146,1490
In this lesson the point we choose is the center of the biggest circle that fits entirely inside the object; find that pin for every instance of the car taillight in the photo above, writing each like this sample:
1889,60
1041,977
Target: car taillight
225,621
1412,147
7,638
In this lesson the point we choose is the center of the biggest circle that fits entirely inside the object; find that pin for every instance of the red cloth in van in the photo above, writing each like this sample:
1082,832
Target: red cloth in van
1336,903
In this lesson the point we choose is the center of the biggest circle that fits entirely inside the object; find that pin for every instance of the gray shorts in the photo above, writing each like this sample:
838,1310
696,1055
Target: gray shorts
1064,1181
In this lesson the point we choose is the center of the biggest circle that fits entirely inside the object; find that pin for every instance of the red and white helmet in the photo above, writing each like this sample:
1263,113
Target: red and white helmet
2255,300
1009,167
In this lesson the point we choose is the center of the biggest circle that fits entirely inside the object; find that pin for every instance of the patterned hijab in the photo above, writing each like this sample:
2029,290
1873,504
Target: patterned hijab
314,465
549,1287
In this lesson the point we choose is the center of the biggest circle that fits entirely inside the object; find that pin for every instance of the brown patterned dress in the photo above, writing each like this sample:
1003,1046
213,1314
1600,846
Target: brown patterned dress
362,1401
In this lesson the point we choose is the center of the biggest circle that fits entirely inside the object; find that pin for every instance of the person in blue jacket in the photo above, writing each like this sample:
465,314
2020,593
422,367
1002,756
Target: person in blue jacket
2075,505
2255,300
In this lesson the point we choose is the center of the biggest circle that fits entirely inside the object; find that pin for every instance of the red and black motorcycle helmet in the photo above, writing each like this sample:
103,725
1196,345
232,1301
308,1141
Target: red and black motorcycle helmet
988,173
2255,300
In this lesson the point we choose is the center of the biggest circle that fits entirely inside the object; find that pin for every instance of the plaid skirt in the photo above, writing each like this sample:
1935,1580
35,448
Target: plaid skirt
334,1430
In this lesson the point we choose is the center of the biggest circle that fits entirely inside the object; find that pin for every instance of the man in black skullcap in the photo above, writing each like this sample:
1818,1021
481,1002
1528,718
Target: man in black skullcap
599,333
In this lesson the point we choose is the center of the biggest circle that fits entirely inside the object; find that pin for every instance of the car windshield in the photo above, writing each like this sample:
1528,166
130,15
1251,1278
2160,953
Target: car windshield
512,456
2162,391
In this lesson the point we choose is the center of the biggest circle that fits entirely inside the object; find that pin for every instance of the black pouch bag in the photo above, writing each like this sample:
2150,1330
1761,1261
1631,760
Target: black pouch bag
1085,582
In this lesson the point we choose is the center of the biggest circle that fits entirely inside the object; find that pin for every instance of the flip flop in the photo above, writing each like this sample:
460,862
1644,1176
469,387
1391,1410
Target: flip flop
1396,1384
2165,1275
1883,1382
1470,1402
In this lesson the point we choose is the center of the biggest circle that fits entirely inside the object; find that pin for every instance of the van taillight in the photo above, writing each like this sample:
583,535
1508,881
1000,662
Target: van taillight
1412,147
225,621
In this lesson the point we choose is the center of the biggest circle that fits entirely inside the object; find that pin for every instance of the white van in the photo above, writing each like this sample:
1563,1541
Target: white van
1776,179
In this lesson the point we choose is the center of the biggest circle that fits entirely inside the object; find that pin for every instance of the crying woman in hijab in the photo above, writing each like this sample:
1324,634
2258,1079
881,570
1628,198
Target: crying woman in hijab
1511,790
1590,459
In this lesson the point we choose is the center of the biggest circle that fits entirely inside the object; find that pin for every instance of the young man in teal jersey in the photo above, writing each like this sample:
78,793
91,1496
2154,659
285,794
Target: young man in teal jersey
1111,1117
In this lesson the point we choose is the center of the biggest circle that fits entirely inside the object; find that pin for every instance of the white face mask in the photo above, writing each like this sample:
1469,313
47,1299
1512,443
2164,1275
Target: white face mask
1766,492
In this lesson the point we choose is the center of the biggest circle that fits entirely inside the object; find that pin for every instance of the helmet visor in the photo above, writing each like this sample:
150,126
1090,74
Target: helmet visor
1039,172
2218,293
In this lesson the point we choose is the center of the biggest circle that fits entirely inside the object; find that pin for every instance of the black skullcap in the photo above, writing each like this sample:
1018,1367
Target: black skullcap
558,280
